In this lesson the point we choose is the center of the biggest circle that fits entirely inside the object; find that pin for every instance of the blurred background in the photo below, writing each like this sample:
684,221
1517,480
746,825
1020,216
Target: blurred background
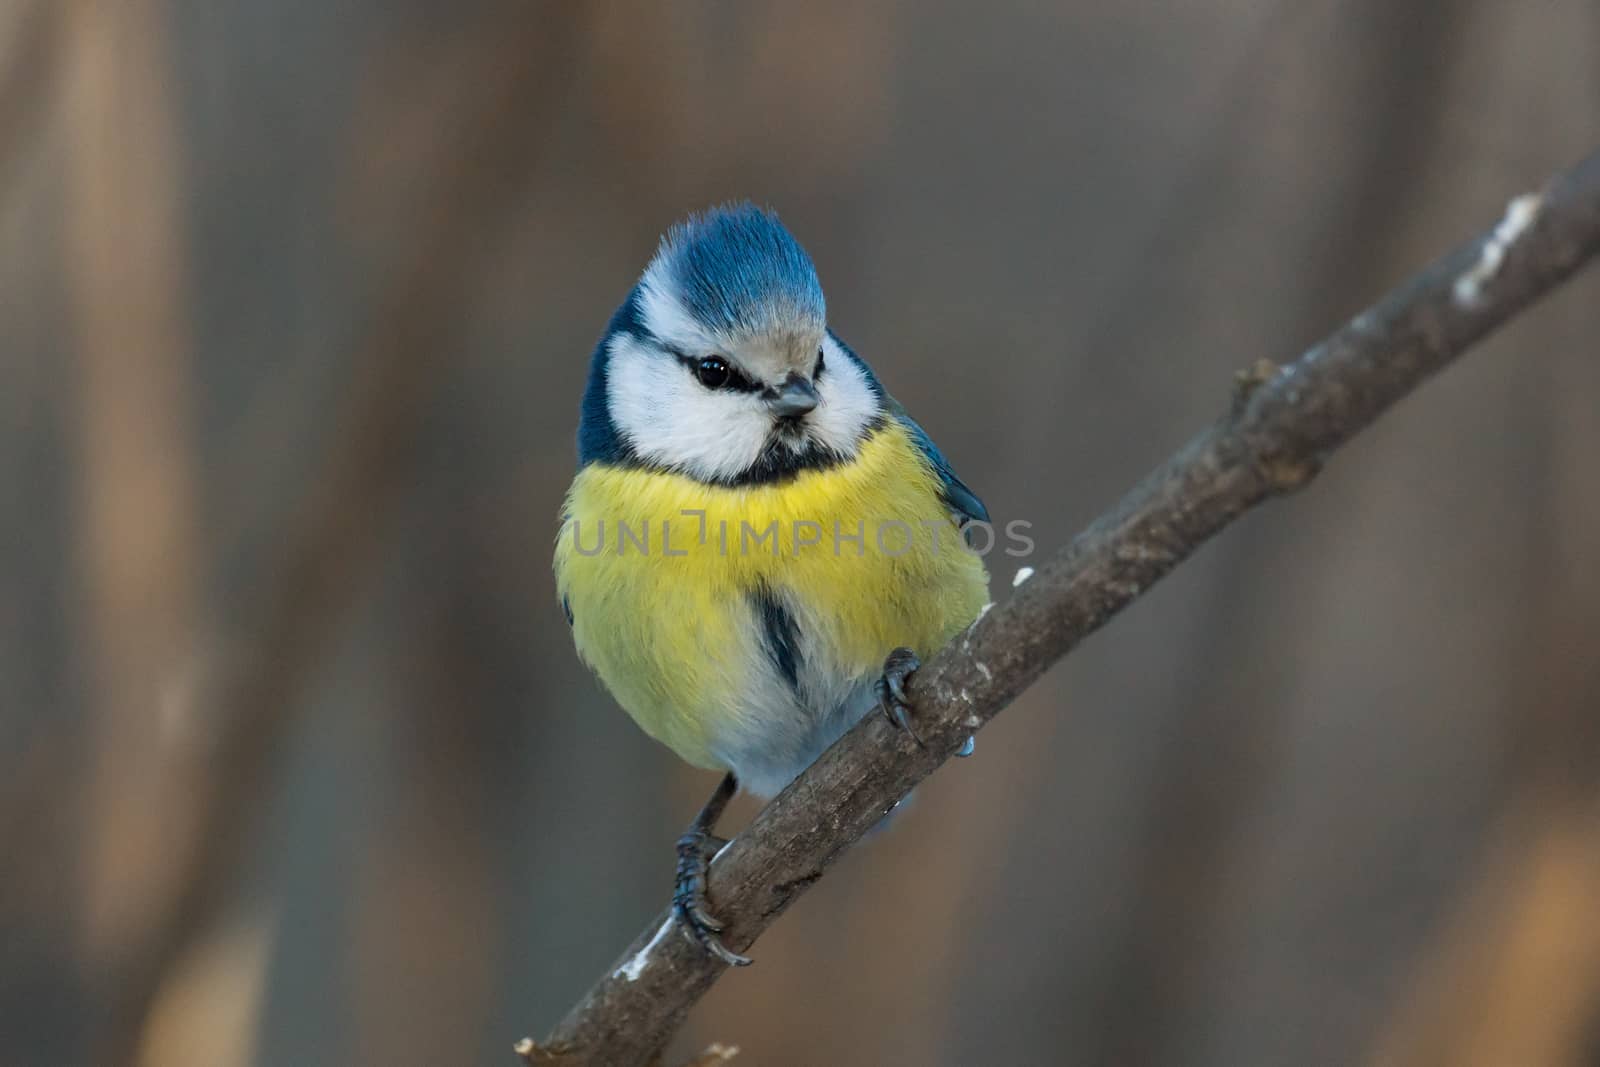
297,765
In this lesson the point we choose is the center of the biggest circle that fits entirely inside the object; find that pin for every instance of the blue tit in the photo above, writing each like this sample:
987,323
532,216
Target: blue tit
759,541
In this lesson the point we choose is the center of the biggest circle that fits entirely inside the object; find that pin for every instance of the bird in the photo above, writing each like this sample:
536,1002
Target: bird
760,543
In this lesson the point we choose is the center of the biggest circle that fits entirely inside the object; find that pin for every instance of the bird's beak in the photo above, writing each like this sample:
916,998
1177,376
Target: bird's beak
794,397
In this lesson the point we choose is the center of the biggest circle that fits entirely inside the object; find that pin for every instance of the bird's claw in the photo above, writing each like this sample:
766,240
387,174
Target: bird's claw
901,665
695,850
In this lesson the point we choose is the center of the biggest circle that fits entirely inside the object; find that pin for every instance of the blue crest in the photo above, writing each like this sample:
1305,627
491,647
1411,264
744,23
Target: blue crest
736,268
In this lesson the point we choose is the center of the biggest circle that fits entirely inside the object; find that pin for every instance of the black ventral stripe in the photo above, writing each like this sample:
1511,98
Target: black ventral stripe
781,635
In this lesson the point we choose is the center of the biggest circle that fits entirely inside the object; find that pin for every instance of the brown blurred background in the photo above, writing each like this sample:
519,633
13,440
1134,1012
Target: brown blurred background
297,765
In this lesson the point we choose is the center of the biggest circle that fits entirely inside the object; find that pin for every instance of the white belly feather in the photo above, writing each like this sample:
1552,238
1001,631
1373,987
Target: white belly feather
789,719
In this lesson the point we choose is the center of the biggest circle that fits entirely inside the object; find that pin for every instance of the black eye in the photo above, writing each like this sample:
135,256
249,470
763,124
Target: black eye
818,371
713,372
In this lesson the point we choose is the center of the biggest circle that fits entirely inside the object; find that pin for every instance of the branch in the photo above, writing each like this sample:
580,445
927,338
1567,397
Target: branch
1283,423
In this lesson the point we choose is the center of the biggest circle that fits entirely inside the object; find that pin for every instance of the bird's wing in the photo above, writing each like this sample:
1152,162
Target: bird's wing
963,501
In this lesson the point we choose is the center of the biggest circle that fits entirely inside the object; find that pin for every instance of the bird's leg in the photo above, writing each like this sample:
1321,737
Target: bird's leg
901,665
695,849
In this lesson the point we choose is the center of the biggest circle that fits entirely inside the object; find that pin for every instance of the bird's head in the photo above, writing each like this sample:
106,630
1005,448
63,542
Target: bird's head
720,364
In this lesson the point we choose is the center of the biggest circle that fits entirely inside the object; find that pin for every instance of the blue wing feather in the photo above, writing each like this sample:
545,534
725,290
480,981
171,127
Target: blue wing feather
962,500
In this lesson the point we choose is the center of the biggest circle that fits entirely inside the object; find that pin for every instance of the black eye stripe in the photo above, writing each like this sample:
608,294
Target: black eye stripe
736,381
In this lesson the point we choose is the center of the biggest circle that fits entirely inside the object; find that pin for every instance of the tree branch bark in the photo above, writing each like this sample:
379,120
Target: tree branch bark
1281,426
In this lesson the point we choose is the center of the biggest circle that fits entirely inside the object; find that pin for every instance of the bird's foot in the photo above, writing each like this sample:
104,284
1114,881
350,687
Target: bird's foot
695,851
900,666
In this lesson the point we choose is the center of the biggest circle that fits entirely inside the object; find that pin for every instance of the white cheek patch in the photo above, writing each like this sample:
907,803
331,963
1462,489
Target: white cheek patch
671,419
848,404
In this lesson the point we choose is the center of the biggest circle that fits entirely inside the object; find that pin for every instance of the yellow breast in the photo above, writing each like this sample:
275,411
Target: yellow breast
658,571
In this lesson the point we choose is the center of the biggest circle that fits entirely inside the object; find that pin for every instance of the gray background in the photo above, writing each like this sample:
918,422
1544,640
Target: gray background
1323,797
